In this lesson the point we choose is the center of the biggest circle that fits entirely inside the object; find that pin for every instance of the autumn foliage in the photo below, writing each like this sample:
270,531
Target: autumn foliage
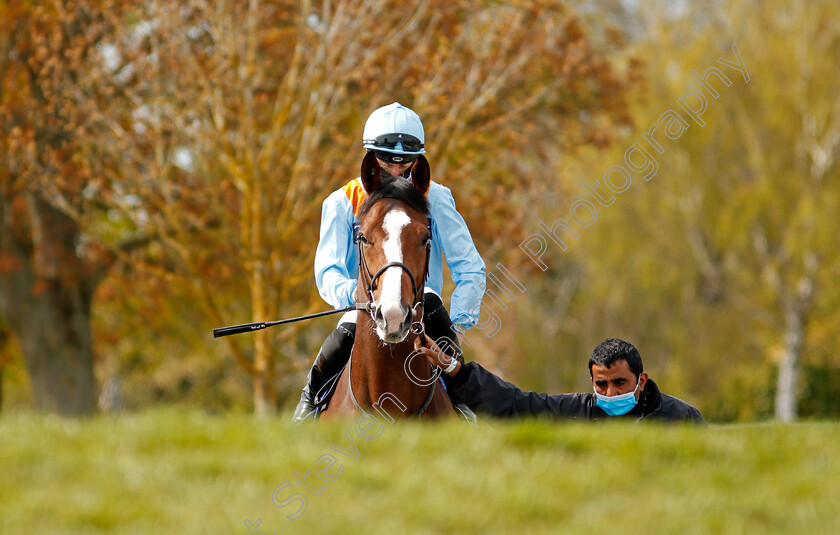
163,165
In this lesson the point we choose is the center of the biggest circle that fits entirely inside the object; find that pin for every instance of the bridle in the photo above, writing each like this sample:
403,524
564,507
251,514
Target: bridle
370,282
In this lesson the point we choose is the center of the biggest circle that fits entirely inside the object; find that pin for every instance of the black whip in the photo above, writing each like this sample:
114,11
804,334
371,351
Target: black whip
258,326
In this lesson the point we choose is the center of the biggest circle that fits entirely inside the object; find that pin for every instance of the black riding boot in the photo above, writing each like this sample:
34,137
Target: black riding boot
332,357
439,328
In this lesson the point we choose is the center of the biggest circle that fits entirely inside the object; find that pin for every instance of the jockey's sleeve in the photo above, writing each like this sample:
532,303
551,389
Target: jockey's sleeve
465,264
336,261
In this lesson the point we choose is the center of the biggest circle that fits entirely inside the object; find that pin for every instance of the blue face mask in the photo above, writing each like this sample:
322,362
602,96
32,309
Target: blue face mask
620,404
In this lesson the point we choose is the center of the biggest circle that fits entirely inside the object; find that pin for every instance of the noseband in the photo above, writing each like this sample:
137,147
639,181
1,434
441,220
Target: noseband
370,280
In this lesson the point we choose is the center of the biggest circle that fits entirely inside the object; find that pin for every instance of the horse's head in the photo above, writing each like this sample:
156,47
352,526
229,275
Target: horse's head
394,243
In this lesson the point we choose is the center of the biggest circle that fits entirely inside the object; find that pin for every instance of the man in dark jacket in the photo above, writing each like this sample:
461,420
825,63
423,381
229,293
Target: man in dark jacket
621,389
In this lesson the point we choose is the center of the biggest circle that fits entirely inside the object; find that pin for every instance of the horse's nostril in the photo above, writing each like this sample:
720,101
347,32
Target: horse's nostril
377,315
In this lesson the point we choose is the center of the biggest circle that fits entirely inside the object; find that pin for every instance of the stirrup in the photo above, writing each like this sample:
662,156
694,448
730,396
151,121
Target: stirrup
466,413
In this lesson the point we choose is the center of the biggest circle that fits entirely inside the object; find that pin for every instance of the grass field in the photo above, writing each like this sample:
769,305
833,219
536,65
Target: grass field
176,472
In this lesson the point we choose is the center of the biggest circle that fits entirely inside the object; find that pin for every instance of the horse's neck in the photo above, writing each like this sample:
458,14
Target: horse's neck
378,370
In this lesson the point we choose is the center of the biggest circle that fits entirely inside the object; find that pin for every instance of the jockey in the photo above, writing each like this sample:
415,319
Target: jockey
395,134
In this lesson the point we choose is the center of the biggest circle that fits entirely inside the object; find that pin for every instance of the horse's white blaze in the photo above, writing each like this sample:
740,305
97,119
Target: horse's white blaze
391,295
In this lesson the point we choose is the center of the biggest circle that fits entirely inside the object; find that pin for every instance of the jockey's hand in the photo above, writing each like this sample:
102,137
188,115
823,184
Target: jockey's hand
434,354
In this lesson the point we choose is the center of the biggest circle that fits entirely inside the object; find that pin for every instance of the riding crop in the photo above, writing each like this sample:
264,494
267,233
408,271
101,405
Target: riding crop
259,325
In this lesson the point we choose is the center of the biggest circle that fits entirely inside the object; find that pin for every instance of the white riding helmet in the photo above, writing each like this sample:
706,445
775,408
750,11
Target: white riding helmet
395,129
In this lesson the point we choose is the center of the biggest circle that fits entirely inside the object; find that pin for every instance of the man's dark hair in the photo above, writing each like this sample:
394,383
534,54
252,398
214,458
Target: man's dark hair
613,349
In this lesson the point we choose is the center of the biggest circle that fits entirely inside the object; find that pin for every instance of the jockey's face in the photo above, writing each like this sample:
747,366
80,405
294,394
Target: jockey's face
394,169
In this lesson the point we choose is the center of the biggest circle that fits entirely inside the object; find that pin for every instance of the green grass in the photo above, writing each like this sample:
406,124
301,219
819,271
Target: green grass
168,471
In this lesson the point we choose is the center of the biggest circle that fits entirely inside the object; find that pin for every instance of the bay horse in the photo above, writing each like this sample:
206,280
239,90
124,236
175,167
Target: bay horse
383,373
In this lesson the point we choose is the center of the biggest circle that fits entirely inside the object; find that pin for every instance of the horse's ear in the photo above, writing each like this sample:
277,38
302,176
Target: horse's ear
371,176
421,175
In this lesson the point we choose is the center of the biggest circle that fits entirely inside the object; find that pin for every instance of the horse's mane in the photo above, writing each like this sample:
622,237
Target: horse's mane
399,189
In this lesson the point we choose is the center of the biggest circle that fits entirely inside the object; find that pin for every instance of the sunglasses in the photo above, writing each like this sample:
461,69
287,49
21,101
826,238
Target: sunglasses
390,157
389,141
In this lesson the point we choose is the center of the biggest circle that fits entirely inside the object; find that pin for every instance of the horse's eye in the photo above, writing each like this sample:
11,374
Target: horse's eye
426,240
363,239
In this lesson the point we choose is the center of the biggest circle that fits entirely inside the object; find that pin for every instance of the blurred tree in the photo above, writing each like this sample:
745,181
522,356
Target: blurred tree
193,143
721,267
760,223
4,340
263,103
50,84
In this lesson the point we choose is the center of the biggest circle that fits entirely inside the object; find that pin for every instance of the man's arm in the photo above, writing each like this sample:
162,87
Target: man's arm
335,254
485,392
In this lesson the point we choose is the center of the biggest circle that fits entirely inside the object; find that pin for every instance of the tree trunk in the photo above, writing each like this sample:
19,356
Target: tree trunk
45,299
57,343
53,326
265,393
4,340
786,409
